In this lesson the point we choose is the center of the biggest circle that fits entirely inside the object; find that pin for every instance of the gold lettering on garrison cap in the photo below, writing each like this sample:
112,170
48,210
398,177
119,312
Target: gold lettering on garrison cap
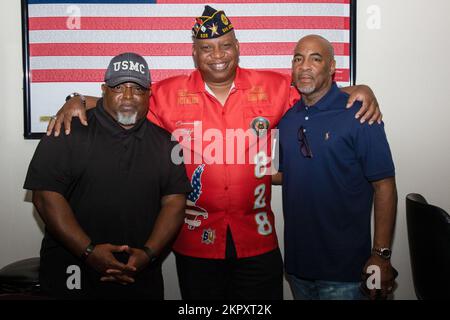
226,29
211,24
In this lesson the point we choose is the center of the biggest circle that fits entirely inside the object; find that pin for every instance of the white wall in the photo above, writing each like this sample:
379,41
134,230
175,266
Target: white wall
20,234
405,62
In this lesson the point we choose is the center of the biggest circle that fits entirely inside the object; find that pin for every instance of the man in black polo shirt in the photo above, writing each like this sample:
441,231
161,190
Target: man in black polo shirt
109,194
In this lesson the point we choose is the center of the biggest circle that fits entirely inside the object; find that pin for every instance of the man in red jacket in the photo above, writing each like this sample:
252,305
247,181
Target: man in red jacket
227,248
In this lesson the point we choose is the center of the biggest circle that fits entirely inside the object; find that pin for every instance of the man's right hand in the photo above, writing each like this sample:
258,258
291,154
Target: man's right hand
72,108
138,260
102,259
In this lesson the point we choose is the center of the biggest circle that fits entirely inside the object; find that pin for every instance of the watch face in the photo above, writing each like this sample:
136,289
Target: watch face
386,253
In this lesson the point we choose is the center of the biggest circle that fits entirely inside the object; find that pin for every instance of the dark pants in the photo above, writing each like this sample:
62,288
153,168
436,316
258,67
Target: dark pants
254,278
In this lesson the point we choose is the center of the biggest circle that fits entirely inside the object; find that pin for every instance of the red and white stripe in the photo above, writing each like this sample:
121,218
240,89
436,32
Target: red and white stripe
64,60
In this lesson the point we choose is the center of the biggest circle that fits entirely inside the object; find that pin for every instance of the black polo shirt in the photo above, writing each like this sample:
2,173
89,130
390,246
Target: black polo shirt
113,178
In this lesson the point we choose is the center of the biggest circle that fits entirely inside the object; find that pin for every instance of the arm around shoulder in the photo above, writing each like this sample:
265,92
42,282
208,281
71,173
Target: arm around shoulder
370,109
75,106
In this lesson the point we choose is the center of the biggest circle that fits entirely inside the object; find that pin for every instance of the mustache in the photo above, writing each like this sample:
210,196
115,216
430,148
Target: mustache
305,74
127,105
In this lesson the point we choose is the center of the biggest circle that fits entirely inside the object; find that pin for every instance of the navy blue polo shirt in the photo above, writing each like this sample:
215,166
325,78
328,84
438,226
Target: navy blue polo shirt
327,199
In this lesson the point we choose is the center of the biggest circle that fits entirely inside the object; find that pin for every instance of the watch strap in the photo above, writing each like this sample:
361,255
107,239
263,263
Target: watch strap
384,253
150,253
87,252
76,94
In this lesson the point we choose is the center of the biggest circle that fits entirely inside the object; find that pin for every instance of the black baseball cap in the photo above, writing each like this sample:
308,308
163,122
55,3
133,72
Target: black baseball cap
128,67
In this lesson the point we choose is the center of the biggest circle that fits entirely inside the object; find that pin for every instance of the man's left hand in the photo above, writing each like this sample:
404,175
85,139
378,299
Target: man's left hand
387,281
138,259
370,110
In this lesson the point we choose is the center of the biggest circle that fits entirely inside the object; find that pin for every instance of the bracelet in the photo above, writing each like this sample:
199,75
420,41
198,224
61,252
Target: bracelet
89,249
150,253
76,94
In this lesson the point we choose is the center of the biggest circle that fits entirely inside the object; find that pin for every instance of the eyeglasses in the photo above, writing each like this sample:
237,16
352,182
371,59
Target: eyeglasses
304,146
135,90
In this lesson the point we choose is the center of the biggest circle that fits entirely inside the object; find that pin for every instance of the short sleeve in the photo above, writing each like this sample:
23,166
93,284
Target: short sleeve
177,181
50,168
373,152
152,115
294,97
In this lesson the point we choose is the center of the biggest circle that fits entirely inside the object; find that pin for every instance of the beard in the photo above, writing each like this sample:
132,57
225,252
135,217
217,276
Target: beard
305,86
126,119
306,89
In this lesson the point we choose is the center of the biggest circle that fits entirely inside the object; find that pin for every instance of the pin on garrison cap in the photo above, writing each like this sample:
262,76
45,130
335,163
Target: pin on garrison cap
211,24
128,67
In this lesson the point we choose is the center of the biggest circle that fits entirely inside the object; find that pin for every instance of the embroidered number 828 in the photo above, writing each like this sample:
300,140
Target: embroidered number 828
262,221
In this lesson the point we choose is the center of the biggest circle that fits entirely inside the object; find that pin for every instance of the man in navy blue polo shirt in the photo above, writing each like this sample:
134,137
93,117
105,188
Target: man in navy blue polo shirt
333,168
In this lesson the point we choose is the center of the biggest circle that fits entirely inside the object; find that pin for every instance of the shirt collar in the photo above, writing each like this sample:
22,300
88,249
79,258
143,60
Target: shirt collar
326,102
241,81
208,89
115,129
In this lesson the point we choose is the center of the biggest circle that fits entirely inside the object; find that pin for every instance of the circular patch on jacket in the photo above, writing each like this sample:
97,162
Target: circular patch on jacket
260,125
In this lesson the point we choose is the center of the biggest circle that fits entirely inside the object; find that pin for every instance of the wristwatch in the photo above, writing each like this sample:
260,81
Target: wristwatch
384,253
76,94
89,249
150,253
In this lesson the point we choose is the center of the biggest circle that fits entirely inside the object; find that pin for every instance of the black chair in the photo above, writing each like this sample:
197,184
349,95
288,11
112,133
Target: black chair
429,247
20,280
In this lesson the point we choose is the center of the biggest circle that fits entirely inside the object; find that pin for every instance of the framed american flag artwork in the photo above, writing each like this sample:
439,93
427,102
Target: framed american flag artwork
67,44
